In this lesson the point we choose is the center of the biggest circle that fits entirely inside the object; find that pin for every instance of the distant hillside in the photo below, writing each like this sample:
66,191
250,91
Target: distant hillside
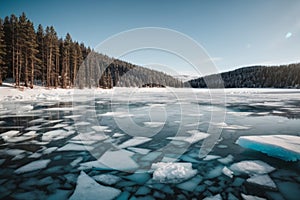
284,76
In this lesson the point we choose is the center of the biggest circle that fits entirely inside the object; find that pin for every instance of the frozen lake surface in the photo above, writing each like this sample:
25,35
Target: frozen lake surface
145,144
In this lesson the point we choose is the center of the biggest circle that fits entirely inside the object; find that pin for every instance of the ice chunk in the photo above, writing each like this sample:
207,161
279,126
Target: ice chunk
190,185
49,150
211,157
154,124
35,165
59,194
285,147
195,136
87,188
172,172
251,167
9,134
139,150
228,159
250,197
143,191
215,172
227,172
216,197
135,141
262,180
118,135
107,179
75,147
119,160
56,135
99,128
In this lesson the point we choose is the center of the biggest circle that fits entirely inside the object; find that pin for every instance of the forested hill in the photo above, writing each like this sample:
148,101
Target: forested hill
284,76
29,57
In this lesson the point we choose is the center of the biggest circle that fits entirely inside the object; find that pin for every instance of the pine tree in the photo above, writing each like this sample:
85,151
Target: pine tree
2,53
40,70
66,61
32,51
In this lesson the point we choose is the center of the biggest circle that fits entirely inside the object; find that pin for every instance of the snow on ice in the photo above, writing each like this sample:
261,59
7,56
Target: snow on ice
285,147
172,172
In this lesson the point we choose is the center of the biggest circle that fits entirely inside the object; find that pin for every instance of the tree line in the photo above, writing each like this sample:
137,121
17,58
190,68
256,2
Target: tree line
283,76
29,57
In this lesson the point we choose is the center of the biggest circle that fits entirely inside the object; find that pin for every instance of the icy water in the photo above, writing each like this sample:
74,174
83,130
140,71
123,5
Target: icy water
64,147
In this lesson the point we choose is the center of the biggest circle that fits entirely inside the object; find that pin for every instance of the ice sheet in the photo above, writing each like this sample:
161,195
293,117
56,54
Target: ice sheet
88,189
251,167
35,165
285,147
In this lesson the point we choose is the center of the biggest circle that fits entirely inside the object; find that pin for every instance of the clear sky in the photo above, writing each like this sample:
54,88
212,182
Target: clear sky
234,33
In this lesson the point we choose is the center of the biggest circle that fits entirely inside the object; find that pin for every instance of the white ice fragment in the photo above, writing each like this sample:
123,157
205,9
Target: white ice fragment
250,197
139,150
49,150
285,147
82,123
35,155
56,135
135,141
251,167
76,161
228,159
118,135
9,134
107,179
227,172
88,189
211,157
195,136
172,172
262,180
99,128
154,124
35,165
119,160
216,197
75,147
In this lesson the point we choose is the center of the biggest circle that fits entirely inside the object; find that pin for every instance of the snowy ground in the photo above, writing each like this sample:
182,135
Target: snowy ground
144,143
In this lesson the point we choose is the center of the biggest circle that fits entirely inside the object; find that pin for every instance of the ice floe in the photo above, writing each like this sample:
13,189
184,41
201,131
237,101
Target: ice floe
87,188
119,160
251,167
35,165
195,136
135,141
251,197
285,147
107,179
227,172
262,180
75,147
172,172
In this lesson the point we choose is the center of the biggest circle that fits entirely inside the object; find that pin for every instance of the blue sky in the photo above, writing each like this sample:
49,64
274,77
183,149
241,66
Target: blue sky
234,33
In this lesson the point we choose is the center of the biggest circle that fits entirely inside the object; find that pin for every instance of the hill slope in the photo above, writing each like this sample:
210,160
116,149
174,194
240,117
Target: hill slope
284,76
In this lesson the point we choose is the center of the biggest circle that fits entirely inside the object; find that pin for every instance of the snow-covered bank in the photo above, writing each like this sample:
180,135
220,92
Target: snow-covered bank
9,93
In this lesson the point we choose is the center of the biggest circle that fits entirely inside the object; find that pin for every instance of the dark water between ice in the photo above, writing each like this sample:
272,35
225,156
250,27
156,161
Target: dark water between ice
251,114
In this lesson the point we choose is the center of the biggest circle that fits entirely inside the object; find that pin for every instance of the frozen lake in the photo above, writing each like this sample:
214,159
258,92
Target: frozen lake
150,144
